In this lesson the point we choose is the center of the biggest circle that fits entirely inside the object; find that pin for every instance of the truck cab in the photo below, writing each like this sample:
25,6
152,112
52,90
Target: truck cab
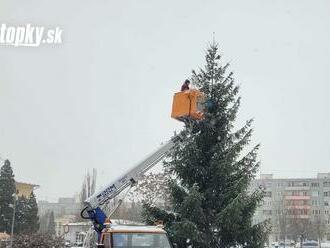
126,236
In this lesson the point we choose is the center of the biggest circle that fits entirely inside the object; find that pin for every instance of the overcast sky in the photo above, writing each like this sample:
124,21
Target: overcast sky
103,98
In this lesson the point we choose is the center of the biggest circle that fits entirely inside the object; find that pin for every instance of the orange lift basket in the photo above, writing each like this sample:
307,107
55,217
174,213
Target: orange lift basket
188,105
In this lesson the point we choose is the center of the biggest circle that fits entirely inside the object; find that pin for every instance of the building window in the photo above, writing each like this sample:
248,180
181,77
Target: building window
315,203
267,212
297,212
315,193
315,185
268,194
326,184
327,193
326,203
326,211
77,237
80,237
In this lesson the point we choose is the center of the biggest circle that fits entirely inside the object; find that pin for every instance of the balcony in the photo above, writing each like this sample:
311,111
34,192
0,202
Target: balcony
298,207
299,216
297,197
297,188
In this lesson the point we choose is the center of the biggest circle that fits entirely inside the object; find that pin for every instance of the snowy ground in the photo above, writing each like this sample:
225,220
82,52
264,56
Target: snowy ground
323,245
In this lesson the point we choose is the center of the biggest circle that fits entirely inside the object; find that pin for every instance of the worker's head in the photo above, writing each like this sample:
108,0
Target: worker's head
187,82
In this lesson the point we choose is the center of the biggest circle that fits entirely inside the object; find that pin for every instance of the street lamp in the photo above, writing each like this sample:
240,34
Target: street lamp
13,221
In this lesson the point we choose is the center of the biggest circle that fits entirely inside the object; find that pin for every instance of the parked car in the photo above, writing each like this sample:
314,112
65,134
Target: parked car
310,244
287,244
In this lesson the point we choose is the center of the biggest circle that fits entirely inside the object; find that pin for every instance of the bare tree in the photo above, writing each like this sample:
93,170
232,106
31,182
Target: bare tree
87,189
318,228
281,219
298,228
89,184
152,189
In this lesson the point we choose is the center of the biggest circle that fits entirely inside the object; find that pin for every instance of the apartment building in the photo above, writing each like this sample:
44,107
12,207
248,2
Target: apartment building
290,200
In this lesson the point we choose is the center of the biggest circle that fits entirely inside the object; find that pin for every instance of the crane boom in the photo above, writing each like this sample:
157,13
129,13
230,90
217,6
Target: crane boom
132,176
93,203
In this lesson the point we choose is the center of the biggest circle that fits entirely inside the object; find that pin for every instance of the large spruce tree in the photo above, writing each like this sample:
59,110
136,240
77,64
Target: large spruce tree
7,191
211,171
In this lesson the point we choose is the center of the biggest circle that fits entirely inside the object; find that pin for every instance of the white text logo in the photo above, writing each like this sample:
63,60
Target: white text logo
28,35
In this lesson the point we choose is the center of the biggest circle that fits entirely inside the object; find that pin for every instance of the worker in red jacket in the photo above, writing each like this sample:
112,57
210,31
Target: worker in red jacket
185,85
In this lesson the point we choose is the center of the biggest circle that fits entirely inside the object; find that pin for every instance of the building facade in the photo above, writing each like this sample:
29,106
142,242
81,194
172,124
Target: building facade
295,207
61,222
75,233
64,206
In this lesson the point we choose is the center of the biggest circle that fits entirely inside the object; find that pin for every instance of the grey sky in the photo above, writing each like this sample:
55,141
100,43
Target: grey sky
103,98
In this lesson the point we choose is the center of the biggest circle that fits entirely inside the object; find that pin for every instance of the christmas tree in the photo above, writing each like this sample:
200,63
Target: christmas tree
211,171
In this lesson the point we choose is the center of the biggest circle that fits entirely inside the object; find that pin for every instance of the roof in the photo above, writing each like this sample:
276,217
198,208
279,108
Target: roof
30,184
270,177
77,224
135,229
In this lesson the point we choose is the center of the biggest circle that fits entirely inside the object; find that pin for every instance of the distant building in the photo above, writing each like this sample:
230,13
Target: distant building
61,222
25,189
64,206
299,198
76,232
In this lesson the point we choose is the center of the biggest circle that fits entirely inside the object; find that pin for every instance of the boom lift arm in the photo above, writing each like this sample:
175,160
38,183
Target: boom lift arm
93,203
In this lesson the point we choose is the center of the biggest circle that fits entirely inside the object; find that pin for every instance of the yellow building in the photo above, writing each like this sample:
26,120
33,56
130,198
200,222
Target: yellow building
25,189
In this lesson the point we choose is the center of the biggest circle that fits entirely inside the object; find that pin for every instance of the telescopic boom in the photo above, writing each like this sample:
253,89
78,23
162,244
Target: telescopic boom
130,178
